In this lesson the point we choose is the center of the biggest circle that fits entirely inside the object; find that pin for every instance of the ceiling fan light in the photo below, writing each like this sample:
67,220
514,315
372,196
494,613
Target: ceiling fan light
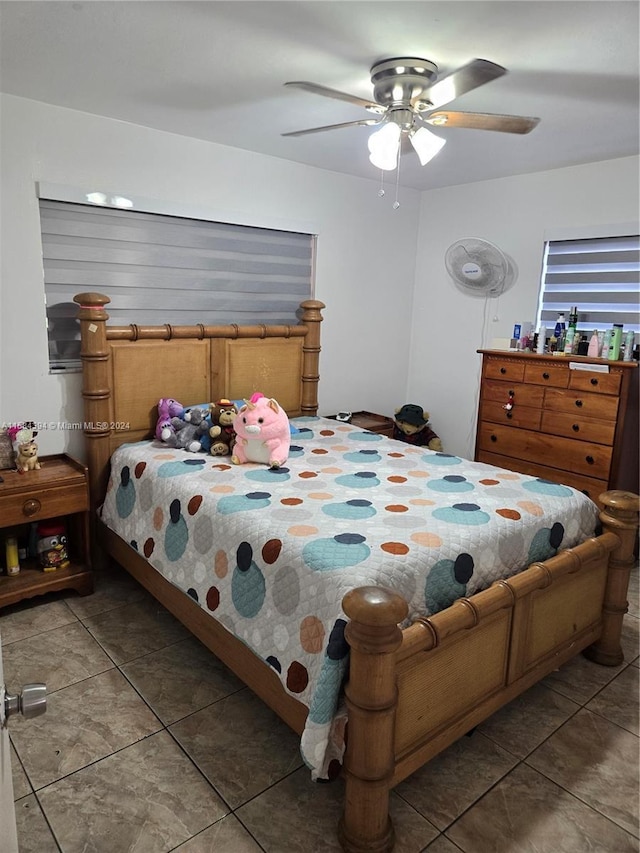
384,147
425,144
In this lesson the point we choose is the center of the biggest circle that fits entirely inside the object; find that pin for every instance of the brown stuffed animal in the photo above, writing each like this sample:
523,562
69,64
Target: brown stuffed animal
411,425
222,415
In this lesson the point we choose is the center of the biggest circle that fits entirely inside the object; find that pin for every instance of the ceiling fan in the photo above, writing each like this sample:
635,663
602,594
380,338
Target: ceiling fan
407,96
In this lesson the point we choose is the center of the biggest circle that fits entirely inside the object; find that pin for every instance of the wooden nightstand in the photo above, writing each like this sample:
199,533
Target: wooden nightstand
60,489
372,422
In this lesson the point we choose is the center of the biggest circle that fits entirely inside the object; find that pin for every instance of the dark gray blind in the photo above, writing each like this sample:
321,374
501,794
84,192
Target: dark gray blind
601,276
158,269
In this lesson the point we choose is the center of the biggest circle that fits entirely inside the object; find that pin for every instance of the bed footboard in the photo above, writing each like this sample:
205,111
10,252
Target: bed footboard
412,693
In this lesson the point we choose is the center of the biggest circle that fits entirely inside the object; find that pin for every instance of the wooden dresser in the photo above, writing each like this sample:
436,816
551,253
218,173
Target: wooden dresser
566,422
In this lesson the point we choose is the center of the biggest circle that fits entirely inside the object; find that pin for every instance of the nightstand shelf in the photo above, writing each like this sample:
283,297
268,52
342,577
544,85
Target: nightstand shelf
372,422
59,490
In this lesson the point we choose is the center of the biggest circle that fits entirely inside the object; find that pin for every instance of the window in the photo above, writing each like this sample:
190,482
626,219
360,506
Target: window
156,267
600,275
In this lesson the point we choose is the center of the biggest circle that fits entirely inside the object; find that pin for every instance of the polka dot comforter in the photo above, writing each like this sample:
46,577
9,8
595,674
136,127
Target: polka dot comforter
270,553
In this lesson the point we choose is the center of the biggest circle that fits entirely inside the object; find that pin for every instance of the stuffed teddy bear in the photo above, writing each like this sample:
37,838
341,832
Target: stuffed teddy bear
222,415
167,408
411,425
262,433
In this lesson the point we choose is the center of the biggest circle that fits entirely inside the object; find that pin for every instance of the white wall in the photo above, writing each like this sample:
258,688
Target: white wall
514,213
365,263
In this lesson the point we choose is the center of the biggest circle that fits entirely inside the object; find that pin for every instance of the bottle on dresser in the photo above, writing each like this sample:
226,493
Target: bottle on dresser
616,340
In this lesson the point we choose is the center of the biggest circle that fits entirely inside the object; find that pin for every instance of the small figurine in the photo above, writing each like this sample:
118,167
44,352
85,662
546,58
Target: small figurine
25,447
27,456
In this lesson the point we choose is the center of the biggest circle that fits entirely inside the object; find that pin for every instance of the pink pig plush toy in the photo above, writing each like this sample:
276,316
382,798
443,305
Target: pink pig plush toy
262,433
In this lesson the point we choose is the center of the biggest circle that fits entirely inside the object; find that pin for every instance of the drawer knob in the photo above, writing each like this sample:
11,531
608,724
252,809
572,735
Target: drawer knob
576,427
594,381
509,414
590,460
31,507
545,375
579,403
503,370
494,438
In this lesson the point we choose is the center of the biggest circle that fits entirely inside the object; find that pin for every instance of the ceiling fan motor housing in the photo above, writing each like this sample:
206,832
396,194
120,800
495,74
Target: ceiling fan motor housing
402,80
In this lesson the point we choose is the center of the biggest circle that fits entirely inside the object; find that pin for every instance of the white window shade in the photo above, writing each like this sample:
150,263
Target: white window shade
157,268
599,275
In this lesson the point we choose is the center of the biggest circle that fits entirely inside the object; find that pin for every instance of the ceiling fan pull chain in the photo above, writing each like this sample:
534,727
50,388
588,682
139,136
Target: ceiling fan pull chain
396,203
381,190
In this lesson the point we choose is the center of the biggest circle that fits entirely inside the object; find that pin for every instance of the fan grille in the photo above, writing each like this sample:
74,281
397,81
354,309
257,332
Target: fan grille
478,267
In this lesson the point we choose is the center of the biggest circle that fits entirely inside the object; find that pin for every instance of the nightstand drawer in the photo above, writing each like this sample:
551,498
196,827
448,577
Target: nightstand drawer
49,503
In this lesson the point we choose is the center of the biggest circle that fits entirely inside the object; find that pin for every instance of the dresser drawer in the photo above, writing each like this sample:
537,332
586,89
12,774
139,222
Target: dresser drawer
577,426
543,373
600,406
580,457
49,503
508,371
518,416
601,383
524,395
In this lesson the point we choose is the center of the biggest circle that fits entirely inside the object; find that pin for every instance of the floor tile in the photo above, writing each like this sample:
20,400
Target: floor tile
226,836
442,845
308,814
580,679
618,701
147,797
527,813
596,761
34,835
112,588
21,786
181,679
240,745
453,780
136,629
523,724
58,658
83,723
32,617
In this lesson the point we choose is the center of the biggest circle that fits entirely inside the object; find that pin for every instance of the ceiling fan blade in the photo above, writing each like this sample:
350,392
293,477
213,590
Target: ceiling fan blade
482,121
362,123
475,73
333,93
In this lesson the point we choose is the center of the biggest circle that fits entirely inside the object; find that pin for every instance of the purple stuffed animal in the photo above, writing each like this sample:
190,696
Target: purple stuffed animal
262,433
167,408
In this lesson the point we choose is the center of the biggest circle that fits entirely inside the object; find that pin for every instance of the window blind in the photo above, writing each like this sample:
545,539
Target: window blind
157,269
599,275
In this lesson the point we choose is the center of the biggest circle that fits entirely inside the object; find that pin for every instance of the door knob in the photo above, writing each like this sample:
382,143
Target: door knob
30,702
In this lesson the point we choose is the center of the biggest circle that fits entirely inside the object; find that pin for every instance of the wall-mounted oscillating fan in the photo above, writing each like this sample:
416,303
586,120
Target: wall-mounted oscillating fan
479,268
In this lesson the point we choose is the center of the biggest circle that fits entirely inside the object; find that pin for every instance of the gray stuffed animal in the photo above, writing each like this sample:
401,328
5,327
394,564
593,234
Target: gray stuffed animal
187,431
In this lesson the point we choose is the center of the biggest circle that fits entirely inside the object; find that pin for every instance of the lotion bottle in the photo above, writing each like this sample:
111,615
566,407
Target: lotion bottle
542,339
616,340
594,345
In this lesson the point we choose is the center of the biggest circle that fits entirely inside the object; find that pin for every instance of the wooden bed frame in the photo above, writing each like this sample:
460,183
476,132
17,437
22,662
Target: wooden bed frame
411,692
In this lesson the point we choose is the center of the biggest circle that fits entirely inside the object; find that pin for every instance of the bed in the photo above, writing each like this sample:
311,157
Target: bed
416,679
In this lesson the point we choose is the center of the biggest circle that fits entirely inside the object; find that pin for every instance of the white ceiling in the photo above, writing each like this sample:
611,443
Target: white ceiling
214,70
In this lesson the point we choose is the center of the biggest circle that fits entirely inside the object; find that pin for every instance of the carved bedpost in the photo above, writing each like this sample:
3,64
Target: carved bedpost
94,353
374,637
311,317
620,516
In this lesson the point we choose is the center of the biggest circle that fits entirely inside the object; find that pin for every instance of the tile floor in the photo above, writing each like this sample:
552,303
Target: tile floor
149,744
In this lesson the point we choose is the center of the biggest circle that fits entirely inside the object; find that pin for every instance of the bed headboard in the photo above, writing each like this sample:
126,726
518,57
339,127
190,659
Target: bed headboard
127,369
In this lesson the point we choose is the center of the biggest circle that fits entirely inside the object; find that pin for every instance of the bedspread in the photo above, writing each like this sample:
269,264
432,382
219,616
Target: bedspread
271,552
